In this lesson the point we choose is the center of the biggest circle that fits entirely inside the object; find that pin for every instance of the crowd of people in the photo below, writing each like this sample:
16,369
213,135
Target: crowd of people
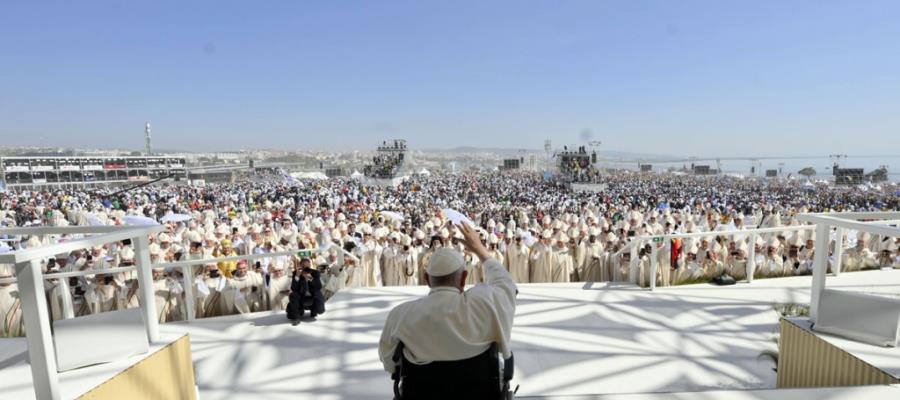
388,161
538,229
577,165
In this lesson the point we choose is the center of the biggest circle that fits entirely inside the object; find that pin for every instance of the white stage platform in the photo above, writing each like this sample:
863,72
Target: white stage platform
841,393
569,339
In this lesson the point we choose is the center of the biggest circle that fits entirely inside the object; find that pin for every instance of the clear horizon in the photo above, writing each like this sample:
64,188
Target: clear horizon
693,78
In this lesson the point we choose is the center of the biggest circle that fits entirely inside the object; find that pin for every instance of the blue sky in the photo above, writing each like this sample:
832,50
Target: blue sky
676,77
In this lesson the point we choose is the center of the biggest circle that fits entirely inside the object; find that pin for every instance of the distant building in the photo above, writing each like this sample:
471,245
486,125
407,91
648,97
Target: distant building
48,171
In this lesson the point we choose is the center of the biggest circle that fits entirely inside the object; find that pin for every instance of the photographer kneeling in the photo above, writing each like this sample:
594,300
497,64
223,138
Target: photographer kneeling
306,293
452,328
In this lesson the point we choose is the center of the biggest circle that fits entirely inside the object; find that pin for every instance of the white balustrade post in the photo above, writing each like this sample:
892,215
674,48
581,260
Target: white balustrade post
654,265
187,282
41,353
820,270
751,257
668,265
838,251
145,286
632,264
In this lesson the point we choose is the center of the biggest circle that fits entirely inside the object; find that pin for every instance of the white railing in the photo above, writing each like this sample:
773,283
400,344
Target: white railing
665,241
41,352
841,221
188,276
29,279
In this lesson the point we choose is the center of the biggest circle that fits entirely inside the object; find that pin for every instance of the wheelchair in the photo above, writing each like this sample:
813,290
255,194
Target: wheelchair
473,378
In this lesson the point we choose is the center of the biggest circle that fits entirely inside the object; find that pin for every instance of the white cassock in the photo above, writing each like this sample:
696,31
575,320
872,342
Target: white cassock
859,259
581,254
564,265
737,269
407,264
542,260
594,269
644,271
713,268
371,264
773,266
390,275
423,262
806,257
517,262
128,291
337,280
691,270
169,304
663,267
619,269
215,297
476,270
249,296
59,298
12,324
279,288
102,297
498,255
356,274
482,315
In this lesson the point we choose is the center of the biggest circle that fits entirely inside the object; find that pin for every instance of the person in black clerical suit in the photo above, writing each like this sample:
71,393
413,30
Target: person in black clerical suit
306,293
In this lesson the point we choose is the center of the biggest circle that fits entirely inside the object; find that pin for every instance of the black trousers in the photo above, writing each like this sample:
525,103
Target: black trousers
472,379
297,306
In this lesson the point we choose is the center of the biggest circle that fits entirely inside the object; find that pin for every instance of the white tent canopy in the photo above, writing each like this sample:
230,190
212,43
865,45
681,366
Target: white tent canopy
424,171
309,175
356,175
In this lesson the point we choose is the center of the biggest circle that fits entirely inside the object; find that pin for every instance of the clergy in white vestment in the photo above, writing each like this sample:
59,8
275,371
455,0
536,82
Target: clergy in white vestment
517,260
215,293
542,260
565,259
407,263
279,287
371,261
249,285
593,268
390,272
12,324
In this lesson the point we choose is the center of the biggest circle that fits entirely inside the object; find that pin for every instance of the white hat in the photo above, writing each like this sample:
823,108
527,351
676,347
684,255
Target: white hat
164,238
445,261
194,237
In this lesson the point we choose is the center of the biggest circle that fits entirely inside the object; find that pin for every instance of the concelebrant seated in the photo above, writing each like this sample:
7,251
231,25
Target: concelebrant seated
452,324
